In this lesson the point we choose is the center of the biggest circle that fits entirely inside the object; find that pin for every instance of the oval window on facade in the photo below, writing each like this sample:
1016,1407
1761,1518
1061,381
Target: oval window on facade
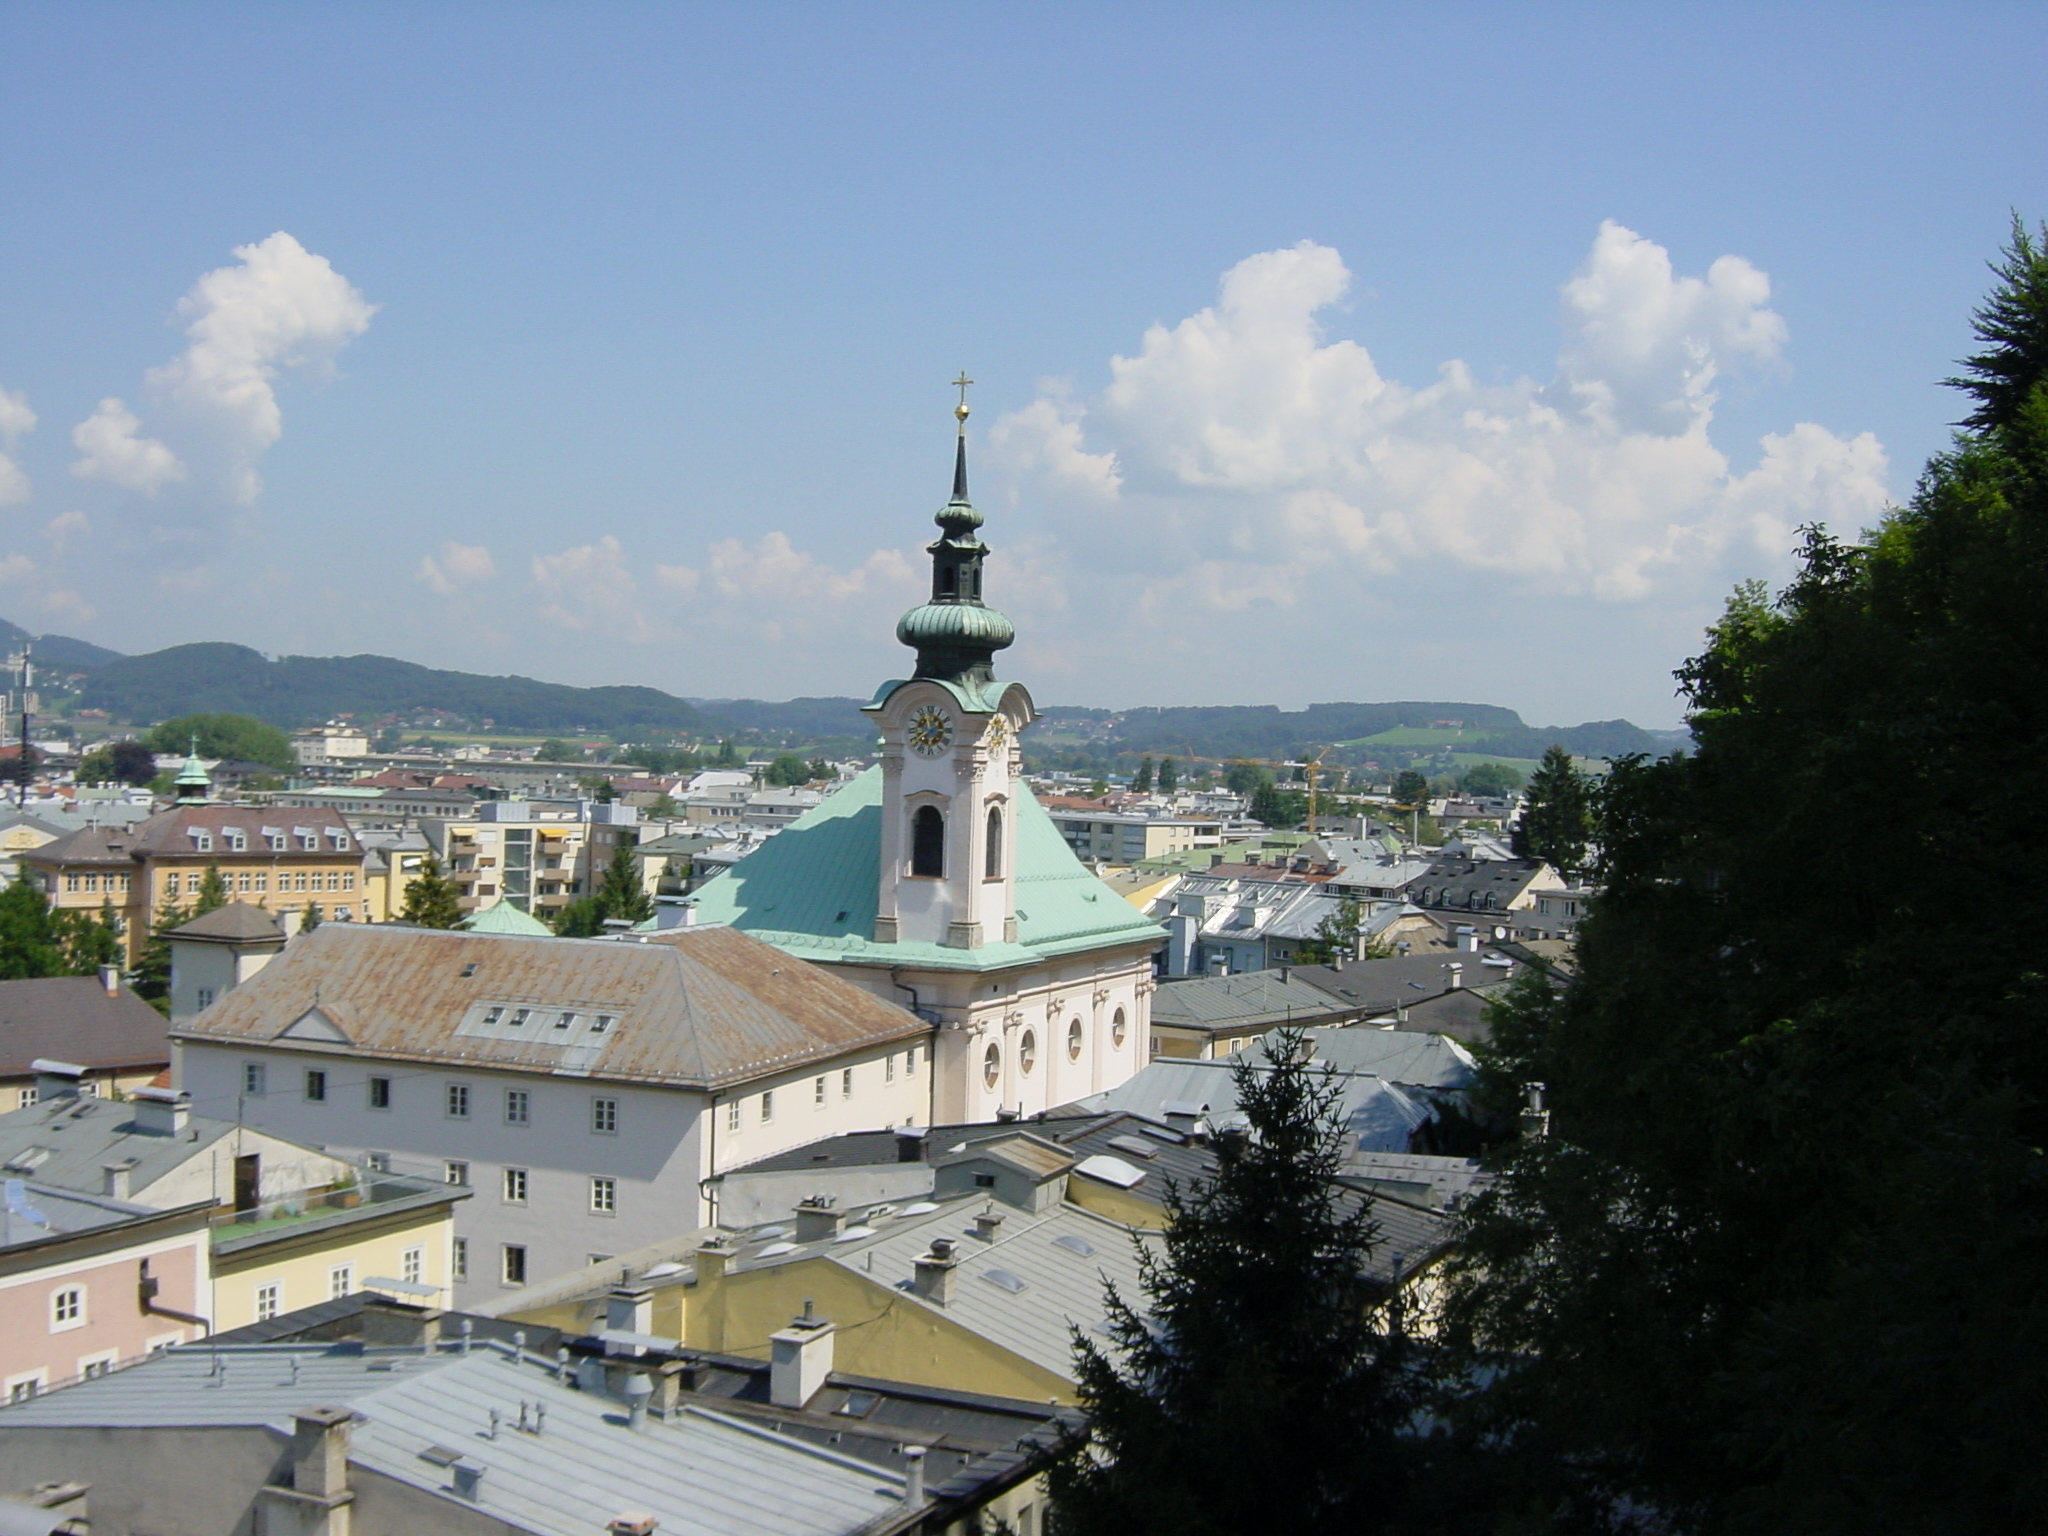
1074,1040
1027,1052
991,1066
1117,1031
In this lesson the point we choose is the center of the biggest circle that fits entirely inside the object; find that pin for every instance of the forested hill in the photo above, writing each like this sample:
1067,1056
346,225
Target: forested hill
215,678
60,653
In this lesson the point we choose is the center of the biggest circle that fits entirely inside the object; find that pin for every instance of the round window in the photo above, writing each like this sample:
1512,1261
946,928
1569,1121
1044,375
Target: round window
1074,1040
1117,1031
991,1066
1027,1053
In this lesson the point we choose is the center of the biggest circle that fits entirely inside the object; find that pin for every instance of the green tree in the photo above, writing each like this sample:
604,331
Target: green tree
432,900
1254,1386
225,736
1169,776
1411,790
1777,1265
1490,779
582,918
1278,807
31,943
1557,815
819,769
151,978
1141,781
2012,325
89,939
788,771
1244,778
621,893
117,762
555,750
728,756
312,918
213,892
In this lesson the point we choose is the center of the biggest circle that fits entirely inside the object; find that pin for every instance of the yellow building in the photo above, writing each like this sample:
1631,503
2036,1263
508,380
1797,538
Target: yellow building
282,861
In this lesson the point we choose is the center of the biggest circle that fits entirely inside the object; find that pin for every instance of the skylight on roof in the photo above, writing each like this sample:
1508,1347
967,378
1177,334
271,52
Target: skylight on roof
1004,1280
1074,1243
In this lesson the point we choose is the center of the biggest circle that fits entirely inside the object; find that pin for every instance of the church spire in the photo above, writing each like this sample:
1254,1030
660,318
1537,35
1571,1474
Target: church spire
955,635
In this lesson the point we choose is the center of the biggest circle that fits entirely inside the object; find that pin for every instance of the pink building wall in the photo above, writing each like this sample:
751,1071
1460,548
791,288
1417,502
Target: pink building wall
35,1346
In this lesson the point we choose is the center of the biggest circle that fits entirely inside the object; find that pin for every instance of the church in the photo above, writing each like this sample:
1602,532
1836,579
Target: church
935,879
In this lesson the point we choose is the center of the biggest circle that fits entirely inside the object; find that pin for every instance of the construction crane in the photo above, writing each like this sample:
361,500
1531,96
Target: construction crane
1311,770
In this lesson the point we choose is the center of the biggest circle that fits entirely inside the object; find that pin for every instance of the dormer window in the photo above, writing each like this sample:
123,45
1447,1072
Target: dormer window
565,1021
238,840
340,837
602,1023
493,1014
520,1016
202,842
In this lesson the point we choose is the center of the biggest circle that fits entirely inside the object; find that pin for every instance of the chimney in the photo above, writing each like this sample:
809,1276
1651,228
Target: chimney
1535,1118
816,1221
632,1523
160,1111
636,1388
55,1079
987,1224
913,1475
115,1180
932,1273
712,1257
801,1360
1286,974
909,1144
629,1309
467,1475
110,979
320,1453
1456,978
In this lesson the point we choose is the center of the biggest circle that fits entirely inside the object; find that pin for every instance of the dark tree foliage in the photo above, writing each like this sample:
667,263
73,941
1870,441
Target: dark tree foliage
117,762
2012,324
1141,781
1490,779
225,736
212,894
1557,814
1779,1265
622,893
788,771
1252,1388
432,900
31,942
1169,776
90,939
1411,790
1245,778
151,978
312,918
582,918
1279,807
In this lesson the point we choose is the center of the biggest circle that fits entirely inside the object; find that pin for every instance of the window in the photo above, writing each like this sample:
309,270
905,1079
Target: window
846,1083
341,1280
991,1065
518,1106
455,1172
269,1299
889,1068
26,1098
252,1078
818,1093
768,1106
928,841
566,1021
604,1197
1074,1040
604,1117
458,1101
1117,1030
24,1388
1027,1052
462,1259
910,1062
493,1014
206,995
94,1366
732,1115
514,1265
412,1265
602,1023
520,1016
316,1086
67,1308
380,1093
377,1162
992,866
515,1186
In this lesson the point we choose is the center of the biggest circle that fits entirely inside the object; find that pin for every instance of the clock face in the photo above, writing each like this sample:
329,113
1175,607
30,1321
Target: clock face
998,732
929,732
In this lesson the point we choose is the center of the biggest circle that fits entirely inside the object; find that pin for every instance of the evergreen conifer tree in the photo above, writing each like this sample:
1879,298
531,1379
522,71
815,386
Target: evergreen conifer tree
213,892
151,978
1253,1387
1141,781
1169,776
620,893
1557,814
90,939
432,900
313,917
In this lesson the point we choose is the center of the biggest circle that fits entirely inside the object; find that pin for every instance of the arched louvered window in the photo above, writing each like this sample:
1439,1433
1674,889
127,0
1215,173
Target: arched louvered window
928,841
992,864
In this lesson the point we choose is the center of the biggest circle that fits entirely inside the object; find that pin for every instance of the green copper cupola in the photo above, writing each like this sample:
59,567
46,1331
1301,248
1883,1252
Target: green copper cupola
955,635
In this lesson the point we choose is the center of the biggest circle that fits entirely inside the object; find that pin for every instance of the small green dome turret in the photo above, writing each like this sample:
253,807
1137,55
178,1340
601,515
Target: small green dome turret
955,634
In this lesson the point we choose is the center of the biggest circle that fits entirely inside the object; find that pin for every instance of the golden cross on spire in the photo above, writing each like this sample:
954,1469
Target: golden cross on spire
961,383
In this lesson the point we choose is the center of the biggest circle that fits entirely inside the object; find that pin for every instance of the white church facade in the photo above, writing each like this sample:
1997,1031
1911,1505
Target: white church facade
935,880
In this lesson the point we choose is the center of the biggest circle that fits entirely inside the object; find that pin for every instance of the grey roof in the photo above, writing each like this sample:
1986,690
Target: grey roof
69,1141
1376,1115
1399,1056
1478,884
688,1007
1248,1000
1380,986
62,1212
239,922
701,1472
75,1019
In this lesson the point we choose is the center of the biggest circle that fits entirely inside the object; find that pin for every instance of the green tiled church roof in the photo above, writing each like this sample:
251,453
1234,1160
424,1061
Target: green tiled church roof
503,917
811,890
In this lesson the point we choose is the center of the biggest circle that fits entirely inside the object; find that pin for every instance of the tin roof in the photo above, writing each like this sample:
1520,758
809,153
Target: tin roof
695,1008
75,1019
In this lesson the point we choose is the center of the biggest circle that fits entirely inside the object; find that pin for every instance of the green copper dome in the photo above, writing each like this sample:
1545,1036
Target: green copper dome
955,634
954,624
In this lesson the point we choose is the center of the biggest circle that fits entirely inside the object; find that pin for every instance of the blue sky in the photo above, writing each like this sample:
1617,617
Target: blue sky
1461,352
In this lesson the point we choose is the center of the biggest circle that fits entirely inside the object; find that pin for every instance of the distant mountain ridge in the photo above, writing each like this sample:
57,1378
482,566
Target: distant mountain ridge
60,652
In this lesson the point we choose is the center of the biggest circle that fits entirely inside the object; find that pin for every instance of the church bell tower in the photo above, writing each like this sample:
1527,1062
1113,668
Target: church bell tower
951,765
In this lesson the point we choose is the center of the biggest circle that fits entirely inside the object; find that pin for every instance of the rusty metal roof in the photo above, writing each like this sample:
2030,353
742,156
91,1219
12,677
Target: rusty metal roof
699,1008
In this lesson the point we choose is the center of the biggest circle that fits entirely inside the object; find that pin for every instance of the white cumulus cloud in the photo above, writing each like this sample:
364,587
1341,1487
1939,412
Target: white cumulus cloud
454,567
1243,458
281,310
111,448
16,420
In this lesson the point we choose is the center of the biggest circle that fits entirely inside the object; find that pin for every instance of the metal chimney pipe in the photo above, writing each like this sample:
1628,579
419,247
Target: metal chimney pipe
913,1475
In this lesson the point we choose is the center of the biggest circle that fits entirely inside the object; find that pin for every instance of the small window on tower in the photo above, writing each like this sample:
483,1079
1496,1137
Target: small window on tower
992,868
928,842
